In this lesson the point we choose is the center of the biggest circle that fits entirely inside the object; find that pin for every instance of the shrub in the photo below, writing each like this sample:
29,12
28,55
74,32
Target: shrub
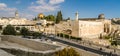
61,35
24,31
9,30
107,37
36,34
67,52
114,43
66,36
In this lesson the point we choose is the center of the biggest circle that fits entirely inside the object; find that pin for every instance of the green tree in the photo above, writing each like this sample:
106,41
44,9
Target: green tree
67,52
24,31
35,18
68,18
114,42
17,28
36,34
9,30
50,18
59,17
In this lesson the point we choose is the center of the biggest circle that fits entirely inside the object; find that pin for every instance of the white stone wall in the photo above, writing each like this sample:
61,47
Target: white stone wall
50,30
18,23
75,28
87,28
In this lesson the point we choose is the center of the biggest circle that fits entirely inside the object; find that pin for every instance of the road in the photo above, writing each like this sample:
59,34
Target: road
83,47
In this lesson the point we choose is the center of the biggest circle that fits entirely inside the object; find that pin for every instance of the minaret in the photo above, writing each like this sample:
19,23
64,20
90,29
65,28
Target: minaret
76,14
16,15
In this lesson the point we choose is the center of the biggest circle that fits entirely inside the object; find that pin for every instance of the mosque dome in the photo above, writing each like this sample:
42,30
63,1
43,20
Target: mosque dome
101,16
40,15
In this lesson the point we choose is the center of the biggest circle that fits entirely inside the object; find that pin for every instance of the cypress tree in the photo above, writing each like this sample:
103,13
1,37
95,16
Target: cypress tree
59,17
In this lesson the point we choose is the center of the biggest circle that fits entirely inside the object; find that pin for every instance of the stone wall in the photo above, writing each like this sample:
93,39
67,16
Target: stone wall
87,28
75,28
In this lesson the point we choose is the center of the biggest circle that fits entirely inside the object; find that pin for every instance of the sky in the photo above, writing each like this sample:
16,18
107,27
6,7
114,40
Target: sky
86,8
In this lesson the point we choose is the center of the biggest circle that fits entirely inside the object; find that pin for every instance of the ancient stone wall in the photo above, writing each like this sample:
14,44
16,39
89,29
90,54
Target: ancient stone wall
75,28
87,28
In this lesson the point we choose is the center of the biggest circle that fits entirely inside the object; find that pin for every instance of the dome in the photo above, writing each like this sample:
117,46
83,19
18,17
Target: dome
101,16
41,15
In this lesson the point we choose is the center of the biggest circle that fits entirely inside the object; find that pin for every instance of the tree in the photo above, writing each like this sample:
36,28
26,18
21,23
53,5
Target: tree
50,18
114,42
24,31
9,30
67,52
36,34
17,28
35,18
59,17
68,18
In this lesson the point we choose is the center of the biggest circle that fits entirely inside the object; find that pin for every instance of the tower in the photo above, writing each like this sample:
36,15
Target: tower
77,15
16,15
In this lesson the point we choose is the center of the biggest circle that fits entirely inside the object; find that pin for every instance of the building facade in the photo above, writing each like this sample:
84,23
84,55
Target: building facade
18,22
91,27
87,28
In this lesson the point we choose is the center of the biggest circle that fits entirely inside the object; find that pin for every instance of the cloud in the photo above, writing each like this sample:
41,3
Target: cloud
56,1
46,5
32,3
6,11
42,2
18,2
27,15
3,7
43,8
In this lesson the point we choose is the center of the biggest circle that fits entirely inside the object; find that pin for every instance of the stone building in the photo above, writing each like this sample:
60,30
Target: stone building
90,27
87,28
18,22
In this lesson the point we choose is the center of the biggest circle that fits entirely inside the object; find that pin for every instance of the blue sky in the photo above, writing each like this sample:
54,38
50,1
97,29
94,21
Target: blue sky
86,8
